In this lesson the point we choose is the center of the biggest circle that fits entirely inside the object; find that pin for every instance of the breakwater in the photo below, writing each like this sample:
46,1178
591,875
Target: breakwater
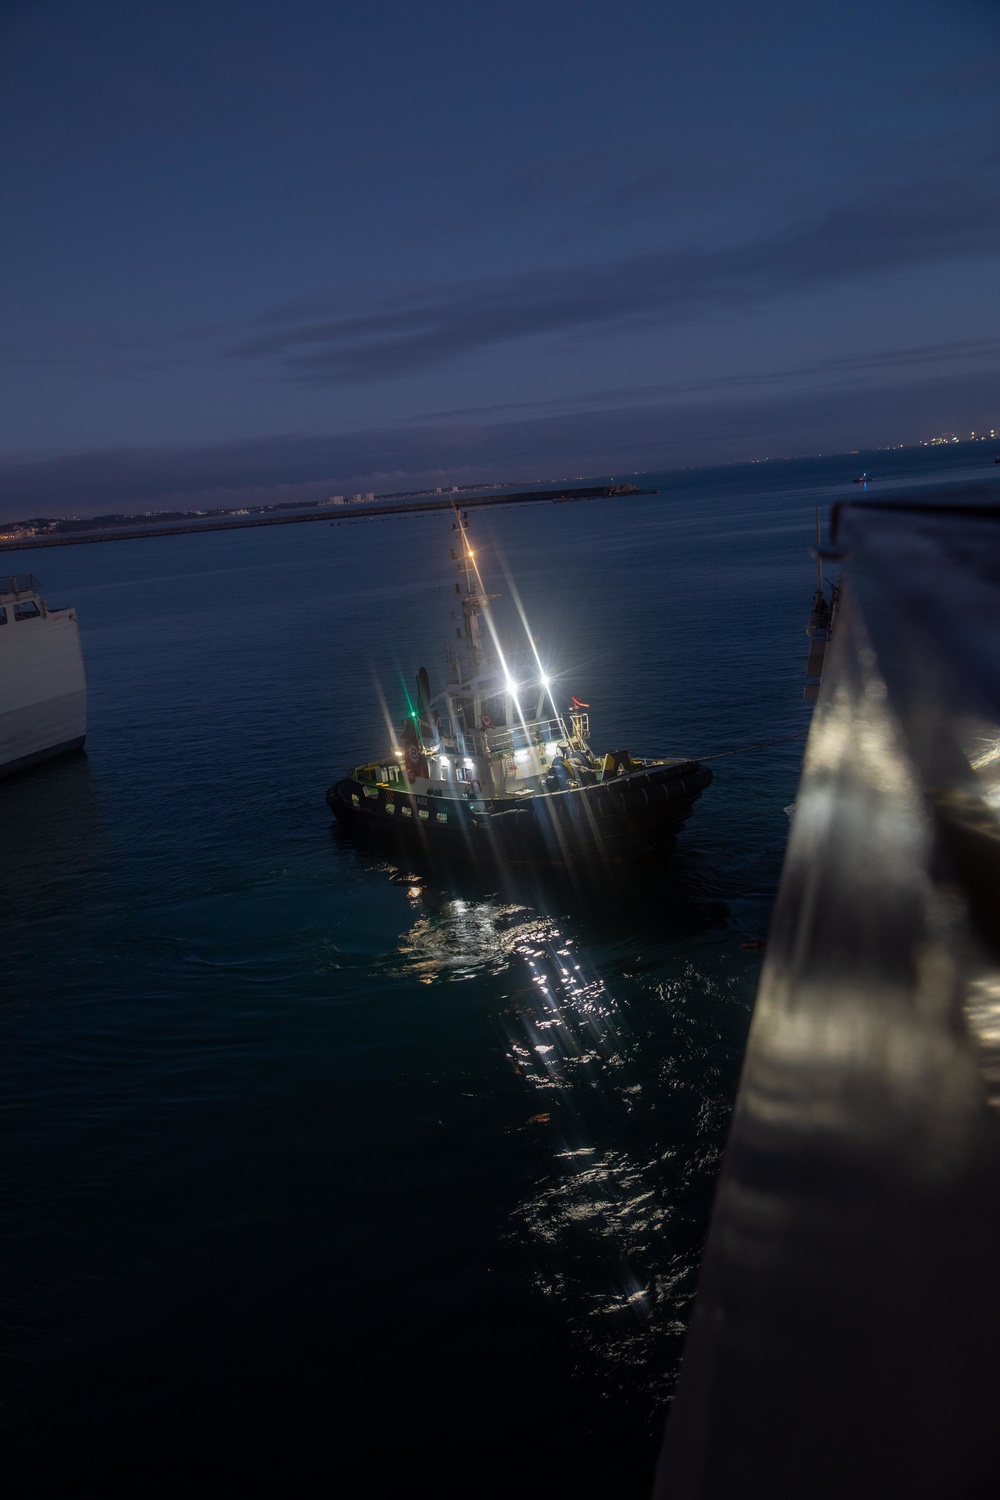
365,511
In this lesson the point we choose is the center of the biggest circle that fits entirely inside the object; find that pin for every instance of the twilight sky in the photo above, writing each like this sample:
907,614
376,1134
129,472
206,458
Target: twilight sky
262,249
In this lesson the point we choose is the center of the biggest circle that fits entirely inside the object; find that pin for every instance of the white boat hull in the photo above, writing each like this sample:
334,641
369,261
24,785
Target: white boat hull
43,690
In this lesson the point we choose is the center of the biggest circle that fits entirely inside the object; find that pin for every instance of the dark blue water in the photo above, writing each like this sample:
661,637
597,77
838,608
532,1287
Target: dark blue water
325,1175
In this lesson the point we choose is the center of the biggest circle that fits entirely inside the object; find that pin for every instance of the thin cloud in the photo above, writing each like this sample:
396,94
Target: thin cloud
849,366
936,219
659,435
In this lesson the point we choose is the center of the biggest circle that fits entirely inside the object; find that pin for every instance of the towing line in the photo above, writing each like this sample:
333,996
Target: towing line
783,739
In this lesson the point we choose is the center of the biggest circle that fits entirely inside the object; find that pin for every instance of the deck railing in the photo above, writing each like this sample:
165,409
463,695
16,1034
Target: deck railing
19,583
524,736
384,771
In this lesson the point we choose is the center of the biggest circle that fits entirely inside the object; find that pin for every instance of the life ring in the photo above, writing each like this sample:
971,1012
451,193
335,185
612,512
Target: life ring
475,786
487,722
413,755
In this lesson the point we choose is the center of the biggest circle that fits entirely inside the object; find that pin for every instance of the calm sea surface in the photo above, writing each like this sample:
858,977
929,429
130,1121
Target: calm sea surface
323,1175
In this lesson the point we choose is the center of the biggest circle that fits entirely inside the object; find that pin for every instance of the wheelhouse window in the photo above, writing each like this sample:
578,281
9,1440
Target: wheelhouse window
3,615
27,611
495,712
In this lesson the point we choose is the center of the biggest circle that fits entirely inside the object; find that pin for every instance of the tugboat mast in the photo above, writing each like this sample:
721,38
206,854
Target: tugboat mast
472,603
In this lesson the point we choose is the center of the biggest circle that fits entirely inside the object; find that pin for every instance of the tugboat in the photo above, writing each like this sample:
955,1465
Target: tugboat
492,771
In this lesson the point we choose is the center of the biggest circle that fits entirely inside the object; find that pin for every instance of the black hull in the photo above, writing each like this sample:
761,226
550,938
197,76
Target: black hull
625,818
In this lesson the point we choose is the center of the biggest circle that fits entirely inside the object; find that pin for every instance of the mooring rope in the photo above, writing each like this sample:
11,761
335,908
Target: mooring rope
799,734
783,739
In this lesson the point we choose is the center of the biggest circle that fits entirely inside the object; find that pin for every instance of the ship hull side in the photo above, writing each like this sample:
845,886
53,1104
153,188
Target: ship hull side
35,757
43,691
625,819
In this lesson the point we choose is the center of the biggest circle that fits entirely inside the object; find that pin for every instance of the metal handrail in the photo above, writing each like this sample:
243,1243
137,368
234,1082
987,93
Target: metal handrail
523,736
19,583
863,1159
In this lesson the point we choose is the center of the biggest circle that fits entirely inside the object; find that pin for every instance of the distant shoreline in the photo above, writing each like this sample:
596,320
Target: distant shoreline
325,512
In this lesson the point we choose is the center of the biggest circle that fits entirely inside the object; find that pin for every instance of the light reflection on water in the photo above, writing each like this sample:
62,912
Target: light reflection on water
595,1226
